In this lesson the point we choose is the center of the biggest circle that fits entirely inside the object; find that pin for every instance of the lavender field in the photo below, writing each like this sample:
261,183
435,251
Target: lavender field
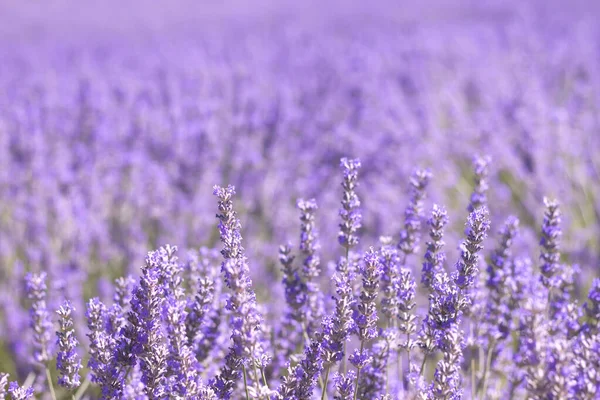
281,200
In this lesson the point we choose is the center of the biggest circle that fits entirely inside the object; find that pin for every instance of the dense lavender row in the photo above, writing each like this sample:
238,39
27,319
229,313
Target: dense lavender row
515,330
110,148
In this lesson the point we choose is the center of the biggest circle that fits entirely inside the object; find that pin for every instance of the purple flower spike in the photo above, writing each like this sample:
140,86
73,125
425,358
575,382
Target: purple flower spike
16,392
35,286
350,211
550,242
68,362
410,236
434,257
478,225
481,169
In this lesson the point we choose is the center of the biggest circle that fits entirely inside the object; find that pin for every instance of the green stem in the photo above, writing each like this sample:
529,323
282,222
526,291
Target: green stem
324,394
473,394
486,370
423,364
81,390
408,358
256,380
245,382
50,385
262,372
362,345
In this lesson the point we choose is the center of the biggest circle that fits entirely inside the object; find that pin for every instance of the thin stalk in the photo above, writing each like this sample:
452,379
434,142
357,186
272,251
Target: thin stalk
423,364
343,366
245,382
473,394
400,369
50,386
29,380
324,394
81,390
486,368
408,358
256,379
362,345
262,372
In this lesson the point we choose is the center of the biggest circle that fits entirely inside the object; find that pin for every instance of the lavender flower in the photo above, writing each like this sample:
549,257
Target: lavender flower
144,334
406,306
477,226
289,335
478,197
447,381
16,392
308,370
550,242
40,317
337,328
373,375
365,317
390,270
410,236
344,385
68,362
3,383
592,307
181,370
434,257
199,308
309,245
497,318
350,211
245,318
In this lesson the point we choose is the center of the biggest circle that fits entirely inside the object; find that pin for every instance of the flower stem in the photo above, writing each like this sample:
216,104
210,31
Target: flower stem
81,390
50,386
486,370
324,394
245,382
362,345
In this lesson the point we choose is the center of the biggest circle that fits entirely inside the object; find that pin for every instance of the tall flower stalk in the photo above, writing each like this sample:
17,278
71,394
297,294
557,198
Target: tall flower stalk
247,349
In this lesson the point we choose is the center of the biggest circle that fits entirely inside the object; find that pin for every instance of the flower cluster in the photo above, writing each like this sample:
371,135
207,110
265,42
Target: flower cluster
110,144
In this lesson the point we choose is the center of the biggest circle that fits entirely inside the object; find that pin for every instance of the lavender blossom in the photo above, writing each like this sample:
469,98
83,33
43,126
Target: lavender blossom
40,317
144,335
289,335
497,317
478,197
3,383
478,225
198,309
390,271
68,362
344,385
373,375
308,370
181,370
365,317
16,392
101,345
337,328
246,321
550,242
350,211
410,236
406,307
311,269
447,381
434,257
